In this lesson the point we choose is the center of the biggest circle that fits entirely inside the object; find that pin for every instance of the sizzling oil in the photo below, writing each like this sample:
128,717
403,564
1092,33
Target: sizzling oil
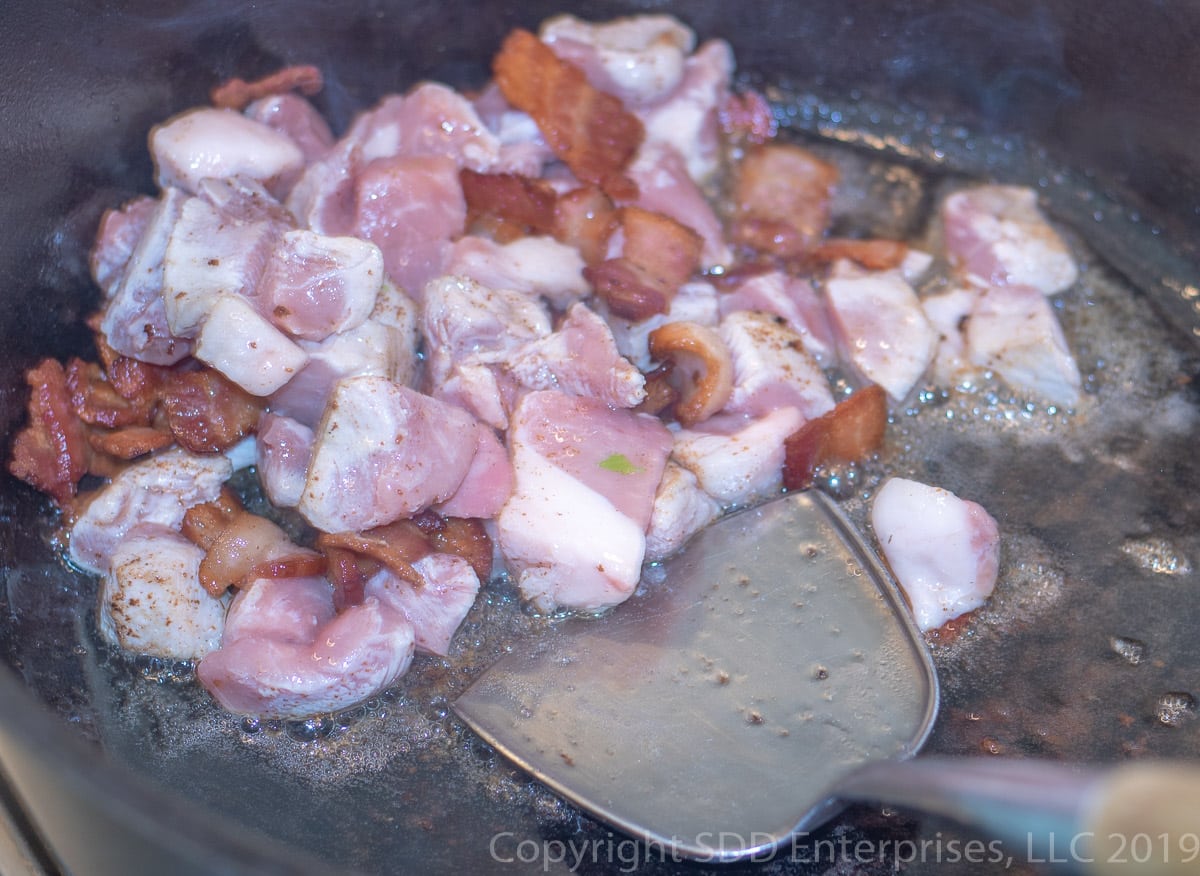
1078,655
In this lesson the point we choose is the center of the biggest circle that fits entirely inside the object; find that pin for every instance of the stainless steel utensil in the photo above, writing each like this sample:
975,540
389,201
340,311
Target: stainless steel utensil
769,674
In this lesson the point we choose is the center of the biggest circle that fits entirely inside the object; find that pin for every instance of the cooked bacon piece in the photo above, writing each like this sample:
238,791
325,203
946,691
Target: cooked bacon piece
850,432
658,256
666,187
139,382
782,199
585,218
747,116
664,247
463,537
589,130
238,93
395,545
874,255
204,522
302,564
400,546
627,290
515,205
130,442
347,576
98,403
51,452
207,412
239,546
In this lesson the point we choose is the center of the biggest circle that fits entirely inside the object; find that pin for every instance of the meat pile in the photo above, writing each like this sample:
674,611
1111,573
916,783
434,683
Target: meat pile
504,331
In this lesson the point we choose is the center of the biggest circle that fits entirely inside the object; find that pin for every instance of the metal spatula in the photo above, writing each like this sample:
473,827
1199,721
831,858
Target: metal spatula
769,675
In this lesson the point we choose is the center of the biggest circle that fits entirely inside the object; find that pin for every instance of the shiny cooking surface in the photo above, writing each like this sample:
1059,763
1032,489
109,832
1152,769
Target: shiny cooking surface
1086,653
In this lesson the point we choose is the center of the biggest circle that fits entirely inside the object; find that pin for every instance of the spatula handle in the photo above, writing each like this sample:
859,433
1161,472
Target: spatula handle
1143,817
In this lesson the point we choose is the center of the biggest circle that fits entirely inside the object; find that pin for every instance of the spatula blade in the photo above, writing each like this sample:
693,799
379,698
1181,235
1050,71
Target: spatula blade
711,715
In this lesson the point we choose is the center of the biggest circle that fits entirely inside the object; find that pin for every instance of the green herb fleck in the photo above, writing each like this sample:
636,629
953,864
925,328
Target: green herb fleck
619,463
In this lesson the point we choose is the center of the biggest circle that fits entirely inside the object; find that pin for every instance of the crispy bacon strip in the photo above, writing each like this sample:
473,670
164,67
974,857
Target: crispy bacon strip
659,255
395,545
300,565
853,430
97,402
52,451
874,255
401,544
589,130
347,573
585,218
237,93
781,199
240,546
629,291
514,205
465,537
207,412
129,442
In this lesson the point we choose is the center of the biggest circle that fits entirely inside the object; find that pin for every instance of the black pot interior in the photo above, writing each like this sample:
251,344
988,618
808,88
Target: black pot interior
1097,95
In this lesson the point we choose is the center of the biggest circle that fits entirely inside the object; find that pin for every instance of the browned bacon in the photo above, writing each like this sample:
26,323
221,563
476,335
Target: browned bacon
589,130
511,204
207,412
585,218
659,256
850,432
400,545
98,402
129,442
781,199
51,452
238,93
240,546
874,255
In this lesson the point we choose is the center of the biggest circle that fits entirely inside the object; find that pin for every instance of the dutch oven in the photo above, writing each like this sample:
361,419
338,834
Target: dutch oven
116,766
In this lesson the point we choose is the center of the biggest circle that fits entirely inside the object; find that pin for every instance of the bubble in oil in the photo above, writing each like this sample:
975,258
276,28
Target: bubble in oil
1175,707
1133,651
1157,555
310,729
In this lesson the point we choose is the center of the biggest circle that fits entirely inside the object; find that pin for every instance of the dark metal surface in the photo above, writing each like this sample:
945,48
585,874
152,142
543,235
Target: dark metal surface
1088,652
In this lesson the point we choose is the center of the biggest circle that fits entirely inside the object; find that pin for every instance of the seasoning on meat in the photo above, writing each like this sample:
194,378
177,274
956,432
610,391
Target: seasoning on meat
550,329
